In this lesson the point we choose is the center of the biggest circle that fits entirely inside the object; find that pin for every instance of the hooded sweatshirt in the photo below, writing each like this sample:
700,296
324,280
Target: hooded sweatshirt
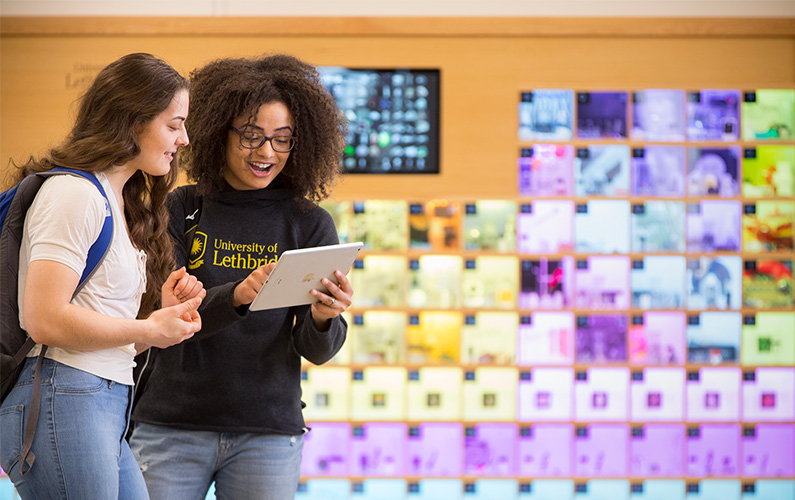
242,371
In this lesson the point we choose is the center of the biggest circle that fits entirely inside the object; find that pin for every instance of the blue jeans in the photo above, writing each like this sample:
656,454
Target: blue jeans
79,445
181,464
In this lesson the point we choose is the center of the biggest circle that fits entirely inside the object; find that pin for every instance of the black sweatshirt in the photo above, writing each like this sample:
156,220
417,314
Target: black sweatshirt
242,371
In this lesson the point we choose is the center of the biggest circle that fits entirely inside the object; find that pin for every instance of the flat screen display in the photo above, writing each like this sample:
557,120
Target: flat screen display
393,118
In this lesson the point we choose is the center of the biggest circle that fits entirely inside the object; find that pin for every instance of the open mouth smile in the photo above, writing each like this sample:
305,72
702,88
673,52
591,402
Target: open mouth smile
260,169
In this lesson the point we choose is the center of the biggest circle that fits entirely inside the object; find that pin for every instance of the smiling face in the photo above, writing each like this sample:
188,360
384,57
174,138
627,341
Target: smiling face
160,138
257,168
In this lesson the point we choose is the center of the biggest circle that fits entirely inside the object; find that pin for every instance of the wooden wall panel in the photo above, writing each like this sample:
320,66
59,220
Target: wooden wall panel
45,64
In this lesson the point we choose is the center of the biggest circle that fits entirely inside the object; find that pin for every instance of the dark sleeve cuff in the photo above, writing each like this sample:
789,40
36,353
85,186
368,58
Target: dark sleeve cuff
217,310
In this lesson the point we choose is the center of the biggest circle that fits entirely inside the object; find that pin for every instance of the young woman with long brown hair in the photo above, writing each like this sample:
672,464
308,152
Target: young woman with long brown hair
129,126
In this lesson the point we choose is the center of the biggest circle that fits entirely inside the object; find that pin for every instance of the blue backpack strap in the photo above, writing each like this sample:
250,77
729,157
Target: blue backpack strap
100,247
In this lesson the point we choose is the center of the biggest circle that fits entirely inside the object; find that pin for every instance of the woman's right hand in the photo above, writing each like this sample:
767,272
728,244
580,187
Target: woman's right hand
249,287
172,325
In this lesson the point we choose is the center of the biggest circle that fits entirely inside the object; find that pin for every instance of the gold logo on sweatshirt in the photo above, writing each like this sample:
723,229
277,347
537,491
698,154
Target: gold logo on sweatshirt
197,247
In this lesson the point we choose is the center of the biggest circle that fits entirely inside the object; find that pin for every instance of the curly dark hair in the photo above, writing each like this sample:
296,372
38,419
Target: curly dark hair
129,92
226,89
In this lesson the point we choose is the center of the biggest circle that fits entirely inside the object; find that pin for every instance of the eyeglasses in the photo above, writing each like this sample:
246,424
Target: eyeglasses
254,140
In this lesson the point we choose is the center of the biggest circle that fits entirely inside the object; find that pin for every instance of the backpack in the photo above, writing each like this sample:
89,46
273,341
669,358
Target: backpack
14,341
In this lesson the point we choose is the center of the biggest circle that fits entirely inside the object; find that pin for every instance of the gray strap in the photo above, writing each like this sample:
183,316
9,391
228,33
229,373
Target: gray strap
26,455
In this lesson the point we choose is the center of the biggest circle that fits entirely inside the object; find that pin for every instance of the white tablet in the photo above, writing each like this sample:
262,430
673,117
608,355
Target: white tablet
299,271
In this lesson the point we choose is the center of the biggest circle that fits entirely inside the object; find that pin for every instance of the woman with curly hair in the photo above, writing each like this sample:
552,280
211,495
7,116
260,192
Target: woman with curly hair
129,126
267,141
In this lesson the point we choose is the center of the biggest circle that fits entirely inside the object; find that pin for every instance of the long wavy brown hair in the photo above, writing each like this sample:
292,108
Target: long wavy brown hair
225,89
126,94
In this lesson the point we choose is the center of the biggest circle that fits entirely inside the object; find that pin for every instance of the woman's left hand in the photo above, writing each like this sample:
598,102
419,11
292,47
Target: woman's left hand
332,304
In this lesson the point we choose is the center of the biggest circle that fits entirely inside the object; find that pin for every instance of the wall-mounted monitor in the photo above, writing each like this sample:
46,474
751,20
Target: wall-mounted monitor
393,118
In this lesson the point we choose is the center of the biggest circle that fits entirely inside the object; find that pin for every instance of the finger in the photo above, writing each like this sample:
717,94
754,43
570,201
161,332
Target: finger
197,320
181,285
193,320
187,287
188,317
331,286
323,299
345,283
261,273
196,290
175,276
338,295
256,285
249,291
332,302
189,305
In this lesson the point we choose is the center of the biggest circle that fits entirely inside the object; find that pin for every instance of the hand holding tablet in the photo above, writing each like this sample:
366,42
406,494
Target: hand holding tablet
297,272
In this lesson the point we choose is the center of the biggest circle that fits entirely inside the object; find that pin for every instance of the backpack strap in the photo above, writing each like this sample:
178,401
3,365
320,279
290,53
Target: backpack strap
96,253
100,247
26,455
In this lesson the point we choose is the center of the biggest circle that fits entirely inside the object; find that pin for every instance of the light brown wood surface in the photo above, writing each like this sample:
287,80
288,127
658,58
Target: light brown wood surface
485,63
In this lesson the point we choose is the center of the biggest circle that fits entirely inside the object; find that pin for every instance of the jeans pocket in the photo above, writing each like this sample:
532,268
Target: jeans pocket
66,379
11,418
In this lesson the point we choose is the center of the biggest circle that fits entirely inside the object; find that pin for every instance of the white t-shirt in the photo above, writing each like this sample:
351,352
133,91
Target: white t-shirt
61,225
